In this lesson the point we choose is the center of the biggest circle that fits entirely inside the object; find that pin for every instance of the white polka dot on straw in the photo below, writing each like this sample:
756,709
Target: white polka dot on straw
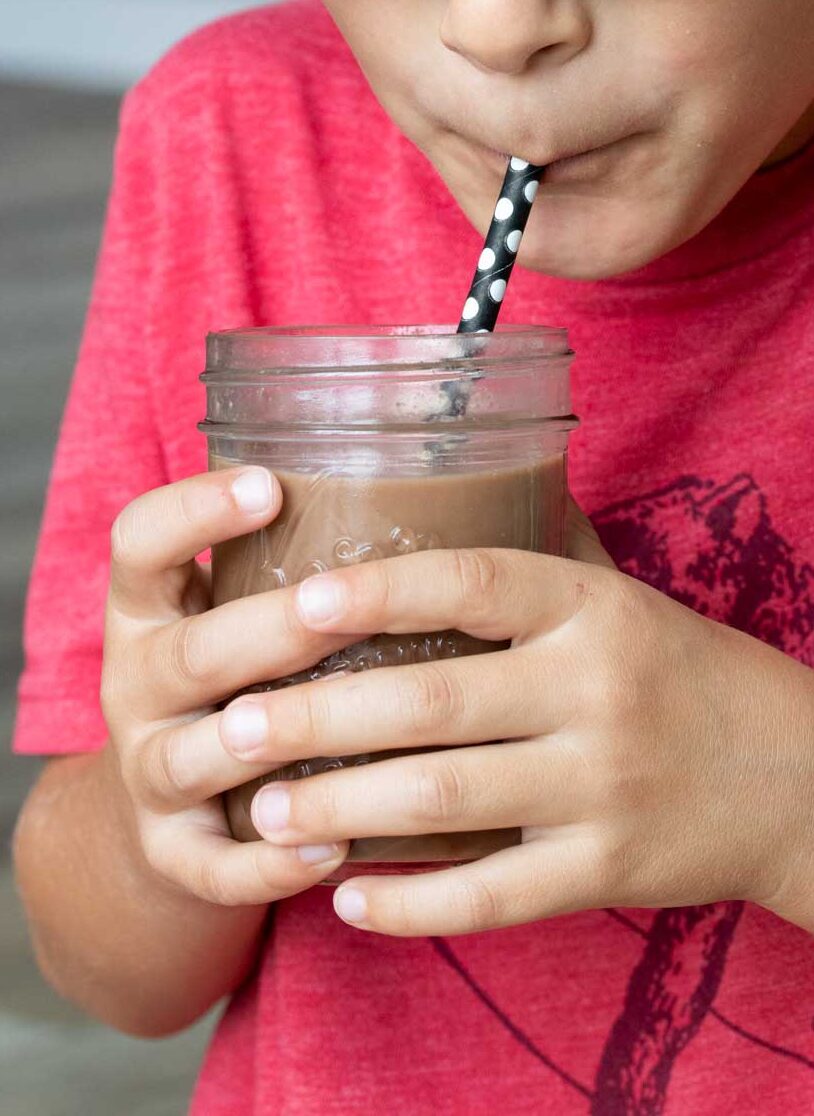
513,240
487,259
504,209
530,190
497,290
518,164
471,307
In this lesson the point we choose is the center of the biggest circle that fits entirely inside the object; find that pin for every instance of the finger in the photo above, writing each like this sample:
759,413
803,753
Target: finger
539,879
158,535
490,594
220,870
479,698
202,659
185,764
492,786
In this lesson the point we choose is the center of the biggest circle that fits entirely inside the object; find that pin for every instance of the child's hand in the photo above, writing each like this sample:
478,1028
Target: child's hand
652,757
168,662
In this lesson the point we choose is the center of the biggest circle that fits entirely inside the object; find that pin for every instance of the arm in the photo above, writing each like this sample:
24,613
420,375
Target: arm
143,909
107,931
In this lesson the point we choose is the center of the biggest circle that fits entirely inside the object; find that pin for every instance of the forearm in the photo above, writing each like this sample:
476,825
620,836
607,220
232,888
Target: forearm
108,933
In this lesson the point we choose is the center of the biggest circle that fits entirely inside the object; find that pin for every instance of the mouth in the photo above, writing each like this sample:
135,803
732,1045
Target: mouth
578,166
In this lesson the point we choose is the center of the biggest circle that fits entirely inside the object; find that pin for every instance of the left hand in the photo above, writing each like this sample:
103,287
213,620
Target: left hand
651,756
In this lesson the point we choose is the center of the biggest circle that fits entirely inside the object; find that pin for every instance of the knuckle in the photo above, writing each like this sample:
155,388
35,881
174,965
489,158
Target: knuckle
130,774
315,806
404,906
111,691
612,691
428,698
189,662
202,876
478,903
124,699
188,507
123,537
438,793
619,695
632,643
164,775
616,864
268,881
620,595
383,588
309,717
622,784
478,575
210,882
404,910
155,850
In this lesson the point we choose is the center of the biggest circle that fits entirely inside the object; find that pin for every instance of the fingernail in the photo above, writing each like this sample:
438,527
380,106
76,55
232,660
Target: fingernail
320,600
252,491
317,854
271,808
244,727
350,904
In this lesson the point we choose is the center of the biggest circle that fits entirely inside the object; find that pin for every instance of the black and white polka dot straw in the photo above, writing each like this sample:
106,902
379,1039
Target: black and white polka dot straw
494,268
500,250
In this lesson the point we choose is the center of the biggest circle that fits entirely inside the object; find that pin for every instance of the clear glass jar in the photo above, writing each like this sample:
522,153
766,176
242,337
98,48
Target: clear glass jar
387,440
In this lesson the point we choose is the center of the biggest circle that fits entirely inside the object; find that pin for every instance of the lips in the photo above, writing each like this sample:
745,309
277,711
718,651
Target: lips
564,165
588,164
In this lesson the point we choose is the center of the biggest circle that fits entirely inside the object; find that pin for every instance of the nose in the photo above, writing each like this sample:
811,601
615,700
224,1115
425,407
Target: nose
504,36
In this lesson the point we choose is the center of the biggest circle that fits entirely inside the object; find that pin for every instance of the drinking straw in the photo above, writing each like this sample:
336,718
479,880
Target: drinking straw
499,253
495,265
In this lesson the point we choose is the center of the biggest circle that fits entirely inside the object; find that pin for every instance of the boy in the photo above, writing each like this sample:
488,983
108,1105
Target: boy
659,736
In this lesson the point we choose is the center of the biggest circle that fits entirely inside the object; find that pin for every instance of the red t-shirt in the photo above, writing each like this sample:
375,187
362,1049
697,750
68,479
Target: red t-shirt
257,181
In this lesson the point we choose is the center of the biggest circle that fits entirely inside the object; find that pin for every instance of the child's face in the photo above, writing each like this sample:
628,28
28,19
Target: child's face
677,103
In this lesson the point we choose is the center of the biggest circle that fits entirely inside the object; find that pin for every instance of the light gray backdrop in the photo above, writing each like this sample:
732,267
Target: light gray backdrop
63,64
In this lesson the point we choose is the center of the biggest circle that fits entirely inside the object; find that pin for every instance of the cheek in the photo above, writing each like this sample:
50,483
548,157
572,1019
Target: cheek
691,57
735,70
690,42
702,60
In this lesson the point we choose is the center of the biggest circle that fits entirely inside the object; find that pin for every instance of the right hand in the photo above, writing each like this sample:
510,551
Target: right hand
170,659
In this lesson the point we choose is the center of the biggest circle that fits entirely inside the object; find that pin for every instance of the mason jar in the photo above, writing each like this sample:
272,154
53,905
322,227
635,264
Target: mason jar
387,441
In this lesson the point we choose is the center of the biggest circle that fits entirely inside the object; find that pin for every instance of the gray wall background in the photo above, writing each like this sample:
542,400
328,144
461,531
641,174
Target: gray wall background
63,65
97,44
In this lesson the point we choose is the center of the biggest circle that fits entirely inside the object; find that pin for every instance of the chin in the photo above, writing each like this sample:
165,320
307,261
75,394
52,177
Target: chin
590,238
585,262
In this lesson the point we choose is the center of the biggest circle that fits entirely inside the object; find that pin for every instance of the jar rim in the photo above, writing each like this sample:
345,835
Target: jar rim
353,349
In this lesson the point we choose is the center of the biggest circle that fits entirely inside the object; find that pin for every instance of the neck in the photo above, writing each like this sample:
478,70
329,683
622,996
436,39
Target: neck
801,134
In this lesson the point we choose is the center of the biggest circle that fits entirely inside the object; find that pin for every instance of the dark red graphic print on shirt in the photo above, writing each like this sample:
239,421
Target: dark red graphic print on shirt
711,546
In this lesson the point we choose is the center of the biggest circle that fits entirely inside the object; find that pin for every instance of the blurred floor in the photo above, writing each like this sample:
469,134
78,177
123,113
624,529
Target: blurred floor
55,172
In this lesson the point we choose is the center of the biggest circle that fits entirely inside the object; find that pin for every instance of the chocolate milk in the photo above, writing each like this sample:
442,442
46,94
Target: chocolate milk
329,521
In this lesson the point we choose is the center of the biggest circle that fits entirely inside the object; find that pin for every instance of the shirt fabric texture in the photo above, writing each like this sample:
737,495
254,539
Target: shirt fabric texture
258,182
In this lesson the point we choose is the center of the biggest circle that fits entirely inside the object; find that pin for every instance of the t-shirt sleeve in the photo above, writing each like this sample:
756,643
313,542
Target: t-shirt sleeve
108,453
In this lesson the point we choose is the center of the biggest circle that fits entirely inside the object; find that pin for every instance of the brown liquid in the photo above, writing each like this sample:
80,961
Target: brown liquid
330,521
